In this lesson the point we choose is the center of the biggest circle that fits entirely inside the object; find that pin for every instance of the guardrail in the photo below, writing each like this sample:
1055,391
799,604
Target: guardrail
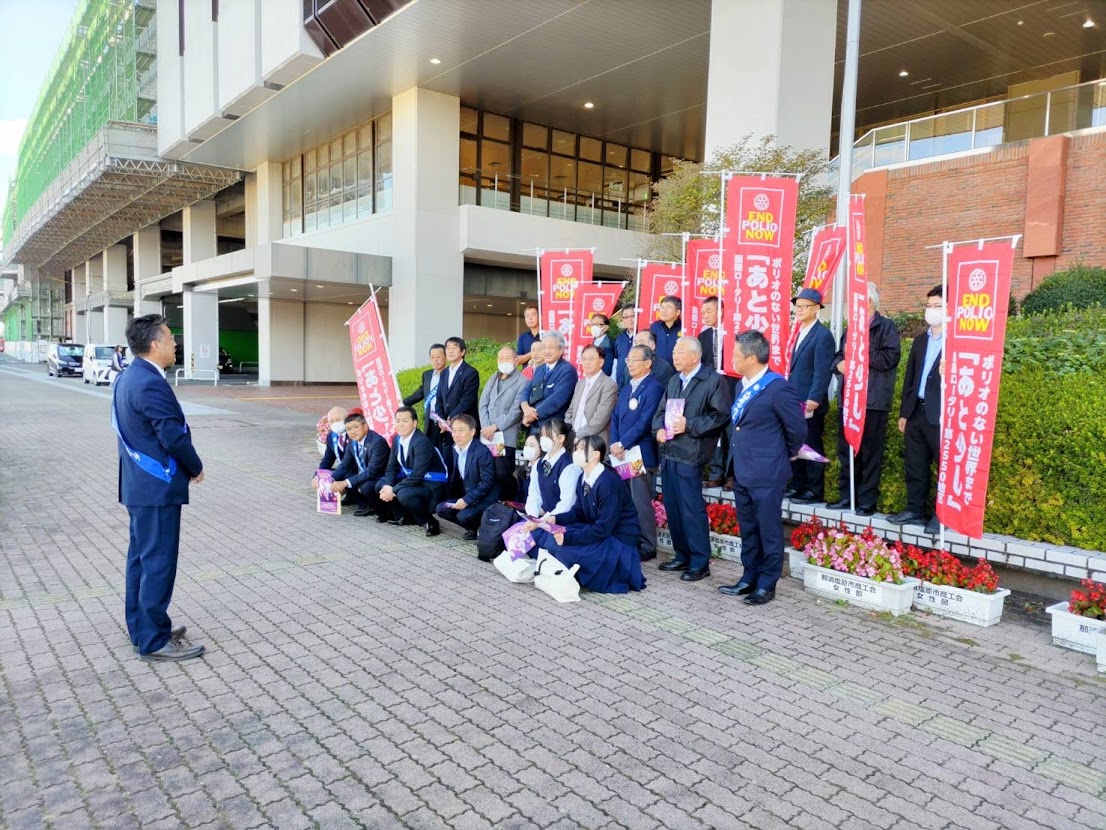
253,363
191,374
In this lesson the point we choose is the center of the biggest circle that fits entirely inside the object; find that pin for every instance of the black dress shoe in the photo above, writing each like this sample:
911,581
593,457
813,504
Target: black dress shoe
805,497
866,511
933,527
760,597
383,517
672,565
907,517
789,492
843,504
363,511
432,527
647,555
738,590
470,536
695,575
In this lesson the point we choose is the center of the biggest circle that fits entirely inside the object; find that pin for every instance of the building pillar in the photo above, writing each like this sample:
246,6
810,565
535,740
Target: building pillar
80,291
280,341
115,280
201,309
771,72
427,293
94,275
147,265
264,208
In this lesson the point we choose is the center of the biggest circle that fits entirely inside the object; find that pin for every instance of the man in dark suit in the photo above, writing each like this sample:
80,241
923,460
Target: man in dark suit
363,464
623,343
472,487
667,330
632,426
156,464
662,369
550,391
336,439
599,325
716,470
705,412
708,312
811,368
920,415
884,353
415,477
768,429
428,392
458,392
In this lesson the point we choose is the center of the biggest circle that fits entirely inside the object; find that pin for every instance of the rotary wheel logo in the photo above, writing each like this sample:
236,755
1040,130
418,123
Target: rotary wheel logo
671,287
597,304
715,261
566,270
760,201
361,328
977,279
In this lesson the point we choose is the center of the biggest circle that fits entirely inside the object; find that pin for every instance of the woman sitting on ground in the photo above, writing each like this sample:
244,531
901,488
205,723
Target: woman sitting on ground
531,454
552,490
601,531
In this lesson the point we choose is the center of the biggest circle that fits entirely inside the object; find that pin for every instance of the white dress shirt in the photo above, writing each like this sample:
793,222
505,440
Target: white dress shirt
566,483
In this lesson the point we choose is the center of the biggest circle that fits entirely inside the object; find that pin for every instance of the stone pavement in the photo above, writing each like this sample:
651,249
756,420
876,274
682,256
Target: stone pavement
364,676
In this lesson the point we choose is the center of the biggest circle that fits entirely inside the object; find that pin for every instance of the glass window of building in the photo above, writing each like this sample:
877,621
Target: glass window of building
469,121
536,136
497,127
591,149
564,143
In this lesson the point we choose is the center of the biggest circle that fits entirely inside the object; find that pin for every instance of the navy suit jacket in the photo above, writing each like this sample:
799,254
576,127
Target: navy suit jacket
666,337
812,365
423,394
478,487
463,396
662,370
771,430
622,348
551,390
607,510
152,422
634,427
422,458
335,449
373,458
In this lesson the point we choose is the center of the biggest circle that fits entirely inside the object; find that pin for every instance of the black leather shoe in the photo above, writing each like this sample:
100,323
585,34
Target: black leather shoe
866,511
933,527
382,518
363,511
789,492
759,597
695,575
647,555
738,590
432,527
672,565
838,505
907,517
470,536
805,497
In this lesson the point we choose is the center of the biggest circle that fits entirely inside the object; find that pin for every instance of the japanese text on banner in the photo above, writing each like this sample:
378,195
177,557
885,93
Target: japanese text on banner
560,273
854,398
372,367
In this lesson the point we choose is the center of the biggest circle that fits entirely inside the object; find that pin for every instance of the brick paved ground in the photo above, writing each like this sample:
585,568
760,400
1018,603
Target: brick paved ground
362,676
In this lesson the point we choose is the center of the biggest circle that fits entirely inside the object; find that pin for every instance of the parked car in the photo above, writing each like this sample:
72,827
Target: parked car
225,364
64,359
97,363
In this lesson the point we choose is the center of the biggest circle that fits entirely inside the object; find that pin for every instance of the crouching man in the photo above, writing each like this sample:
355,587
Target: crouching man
472,487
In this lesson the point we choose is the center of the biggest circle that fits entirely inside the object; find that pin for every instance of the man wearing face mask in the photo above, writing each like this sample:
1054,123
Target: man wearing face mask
811,366
499,412
599,326
335,440
920,415
362,465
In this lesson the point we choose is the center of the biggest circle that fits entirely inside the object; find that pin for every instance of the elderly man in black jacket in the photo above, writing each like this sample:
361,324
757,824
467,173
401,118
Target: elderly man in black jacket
706,411
884,354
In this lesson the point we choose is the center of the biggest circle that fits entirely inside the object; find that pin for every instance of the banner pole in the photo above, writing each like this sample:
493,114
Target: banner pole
852,479
947,249
538,254
720,329
637,298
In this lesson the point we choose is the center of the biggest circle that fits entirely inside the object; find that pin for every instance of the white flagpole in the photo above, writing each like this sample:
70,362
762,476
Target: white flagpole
946,249
720,329
845,152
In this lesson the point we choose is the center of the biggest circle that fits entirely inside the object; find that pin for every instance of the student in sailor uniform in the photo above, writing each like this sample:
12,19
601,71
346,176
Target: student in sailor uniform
601,532
552,489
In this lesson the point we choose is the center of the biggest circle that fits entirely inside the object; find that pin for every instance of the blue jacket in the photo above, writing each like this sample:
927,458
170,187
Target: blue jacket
551,390
478,487
622,346
152,422
463,396
335,449
666,337
607,510
373,460
771,430
812,365
634,427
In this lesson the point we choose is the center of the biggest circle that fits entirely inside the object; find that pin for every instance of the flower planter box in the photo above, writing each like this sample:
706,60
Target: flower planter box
795,562
858,590
960,604
722,547
1100,652
1073,631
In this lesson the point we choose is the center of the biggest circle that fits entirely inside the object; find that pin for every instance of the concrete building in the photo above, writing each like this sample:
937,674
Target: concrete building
273,159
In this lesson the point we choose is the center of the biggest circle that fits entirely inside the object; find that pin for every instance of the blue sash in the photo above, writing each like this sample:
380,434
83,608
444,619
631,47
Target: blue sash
746,397
442,478
145,462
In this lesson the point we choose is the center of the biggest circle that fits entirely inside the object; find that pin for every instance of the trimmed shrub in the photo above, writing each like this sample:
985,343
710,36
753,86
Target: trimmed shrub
1078,287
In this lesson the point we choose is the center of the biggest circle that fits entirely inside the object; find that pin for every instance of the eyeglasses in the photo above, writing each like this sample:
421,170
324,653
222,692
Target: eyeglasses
805,306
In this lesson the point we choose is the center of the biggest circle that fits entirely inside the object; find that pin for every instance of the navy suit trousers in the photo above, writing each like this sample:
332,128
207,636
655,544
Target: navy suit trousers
687,513
151,574
758,515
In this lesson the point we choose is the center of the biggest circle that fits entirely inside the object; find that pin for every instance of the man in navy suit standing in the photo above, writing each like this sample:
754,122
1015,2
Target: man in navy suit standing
156,464
768,429
472,487
811,369
428,391
550,390
458,391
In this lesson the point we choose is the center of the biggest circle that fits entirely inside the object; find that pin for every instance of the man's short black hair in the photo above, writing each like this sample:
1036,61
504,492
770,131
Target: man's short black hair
410,410
711,300
753,344
606,320
599,350
143,331
459,342
674,300
937,291
467,420
436,346
354,418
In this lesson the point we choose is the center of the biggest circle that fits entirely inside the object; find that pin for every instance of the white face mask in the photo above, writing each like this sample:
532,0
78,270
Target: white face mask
935,316
546,443
579,459
338,428
530,453
596,331
506,368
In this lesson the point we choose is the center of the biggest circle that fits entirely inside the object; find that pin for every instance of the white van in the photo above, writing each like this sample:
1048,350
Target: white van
97,363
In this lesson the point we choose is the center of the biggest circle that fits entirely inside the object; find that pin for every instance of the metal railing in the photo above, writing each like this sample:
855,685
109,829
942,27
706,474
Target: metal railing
192,374
1065,110
543,197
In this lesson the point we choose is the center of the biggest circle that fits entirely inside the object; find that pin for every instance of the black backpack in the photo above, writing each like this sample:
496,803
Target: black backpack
489,536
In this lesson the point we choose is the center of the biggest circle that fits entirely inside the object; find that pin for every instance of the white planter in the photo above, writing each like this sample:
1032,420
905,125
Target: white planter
858,590
723,547
1100,652
796,561
1073,631
960,604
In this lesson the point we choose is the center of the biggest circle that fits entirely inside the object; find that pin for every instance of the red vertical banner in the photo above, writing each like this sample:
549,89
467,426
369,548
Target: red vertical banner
977,298
758,252
827,246
854,396
377,386
590,298
703,268
666,279
559,275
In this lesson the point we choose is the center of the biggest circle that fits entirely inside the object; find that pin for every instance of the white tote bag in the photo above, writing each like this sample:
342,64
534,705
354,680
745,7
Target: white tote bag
516,570
556,578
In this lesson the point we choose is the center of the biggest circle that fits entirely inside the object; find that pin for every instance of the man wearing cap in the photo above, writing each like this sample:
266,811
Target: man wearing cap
809,372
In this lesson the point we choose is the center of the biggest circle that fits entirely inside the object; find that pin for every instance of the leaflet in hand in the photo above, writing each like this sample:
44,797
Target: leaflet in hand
519,541
631,465
442,423
497,445
807,454
327,501
673,409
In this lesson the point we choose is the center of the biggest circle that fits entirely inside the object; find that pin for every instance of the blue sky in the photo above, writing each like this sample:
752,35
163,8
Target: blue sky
31,32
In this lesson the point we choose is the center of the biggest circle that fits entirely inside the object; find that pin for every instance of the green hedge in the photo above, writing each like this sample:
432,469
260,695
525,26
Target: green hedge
1078,287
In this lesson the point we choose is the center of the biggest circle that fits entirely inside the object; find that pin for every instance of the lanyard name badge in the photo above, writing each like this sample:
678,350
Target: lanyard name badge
163,472
747,396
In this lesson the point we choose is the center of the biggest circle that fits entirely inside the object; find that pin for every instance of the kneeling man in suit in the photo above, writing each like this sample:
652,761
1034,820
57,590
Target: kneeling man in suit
768,429
415,477
472,484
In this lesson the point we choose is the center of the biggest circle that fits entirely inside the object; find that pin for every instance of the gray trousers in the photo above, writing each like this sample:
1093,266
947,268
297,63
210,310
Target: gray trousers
642,489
